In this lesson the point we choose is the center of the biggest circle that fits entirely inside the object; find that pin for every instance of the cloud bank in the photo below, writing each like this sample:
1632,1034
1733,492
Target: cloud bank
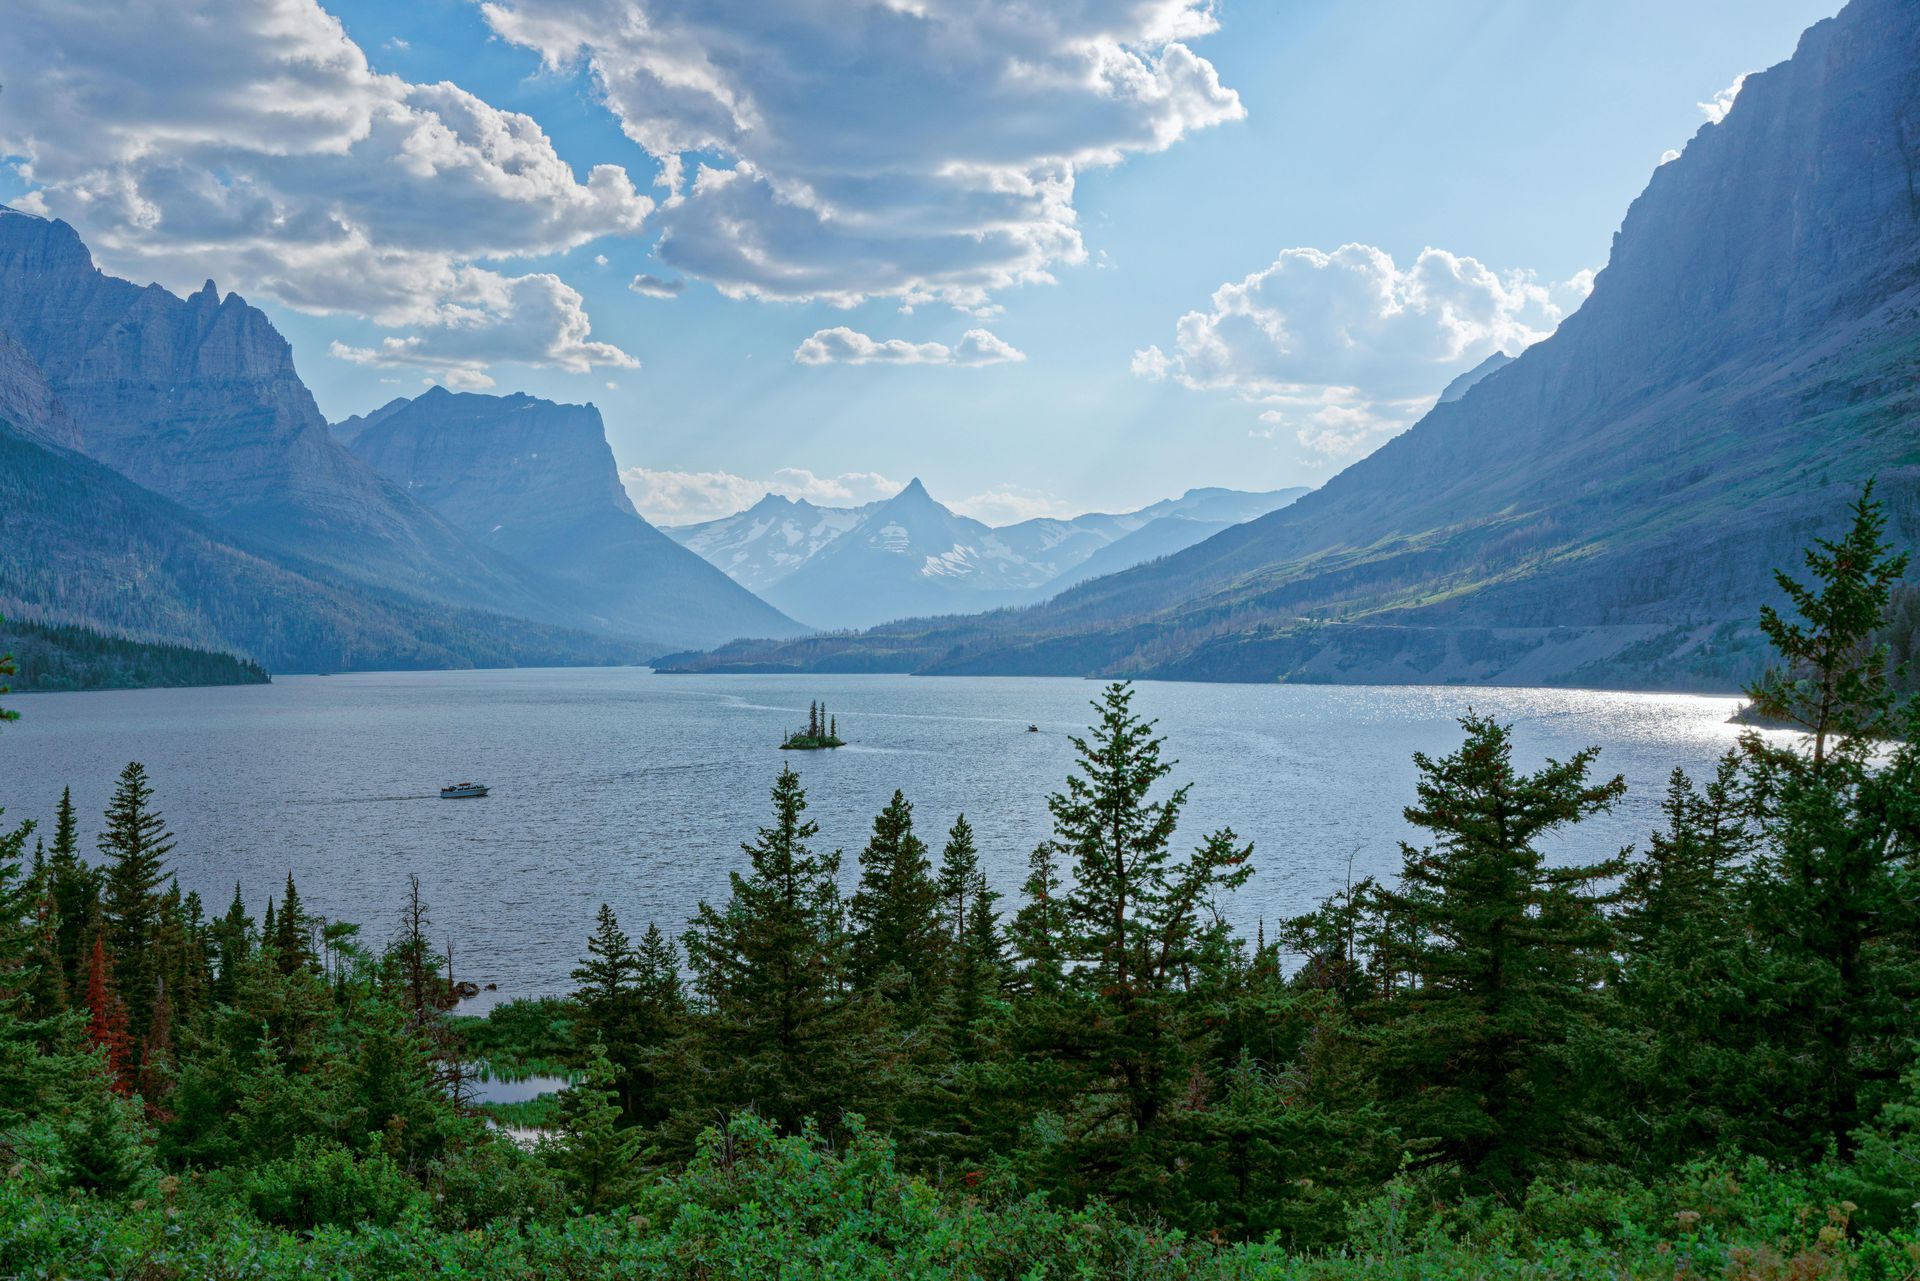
1346,348
918,149
251,142
843,346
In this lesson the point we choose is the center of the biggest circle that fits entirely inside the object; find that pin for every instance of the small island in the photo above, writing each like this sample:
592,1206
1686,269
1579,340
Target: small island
822,731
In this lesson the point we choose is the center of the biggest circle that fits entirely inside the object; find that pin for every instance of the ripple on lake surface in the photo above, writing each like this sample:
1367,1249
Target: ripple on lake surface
618,785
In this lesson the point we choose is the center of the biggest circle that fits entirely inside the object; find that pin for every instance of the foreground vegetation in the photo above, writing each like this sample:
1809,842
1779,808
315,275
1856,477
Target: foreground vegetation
1694,1060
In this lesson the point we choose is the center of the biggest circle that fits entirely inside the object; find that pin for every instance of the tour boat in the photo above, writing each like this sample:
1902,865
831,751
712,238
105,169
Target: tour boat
460,791
1033,729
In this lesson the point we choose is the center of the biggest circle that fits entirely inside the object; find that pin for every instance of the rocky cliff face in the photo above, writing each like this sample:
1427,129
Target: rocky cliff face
197,399
27,400
536,482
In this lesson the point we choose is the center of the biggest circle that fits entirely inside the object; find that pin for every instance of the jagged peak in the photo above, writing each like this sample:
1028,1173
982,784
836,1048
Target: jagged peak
207,295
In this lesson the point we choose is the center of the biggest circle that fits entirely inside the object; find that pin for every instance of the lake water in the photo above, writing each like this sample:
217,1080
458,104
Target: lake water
622,786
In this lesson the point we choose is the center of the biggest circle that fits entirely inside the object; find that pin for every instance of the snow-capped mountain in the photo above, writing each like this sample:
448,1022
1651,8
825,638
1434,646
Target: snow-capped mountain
769,540
840,567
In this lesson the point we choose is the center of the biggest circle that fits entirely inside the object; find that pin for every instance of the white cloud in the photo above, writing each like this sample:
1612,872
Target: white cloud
537,319
654,287
843,346
689,497
918,149
1010,504
251,142
1346,348
1716,110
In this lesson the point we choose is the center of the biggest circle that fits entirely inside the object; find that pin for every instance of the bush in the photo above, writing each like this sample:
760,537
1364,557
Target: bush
324,1183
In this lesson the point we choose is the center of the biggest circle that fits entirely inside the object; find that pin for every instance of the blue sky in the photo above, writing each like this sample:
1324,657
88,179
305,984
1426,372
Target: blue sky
1244,137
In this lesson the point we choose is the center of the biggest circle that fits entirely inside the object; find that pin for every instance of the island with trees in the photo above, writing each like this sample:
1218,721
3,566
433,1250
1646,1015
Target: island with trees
822,731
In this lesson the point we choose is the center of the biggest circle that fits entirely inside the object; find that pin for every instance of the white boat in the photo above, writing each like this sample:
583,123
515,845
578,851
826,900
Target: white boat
461,791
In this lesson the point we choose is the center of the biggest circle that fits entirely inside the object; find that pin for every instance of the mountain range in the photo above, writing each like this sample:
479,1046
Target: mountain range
1606,508
169,478
846,567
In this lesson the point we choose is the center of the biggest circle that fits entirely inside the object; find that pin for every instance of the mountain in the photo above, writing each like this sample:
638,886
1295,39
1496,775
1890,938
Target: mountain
769,540
923,558
197,399
536,482
907,555
81,545
1606,509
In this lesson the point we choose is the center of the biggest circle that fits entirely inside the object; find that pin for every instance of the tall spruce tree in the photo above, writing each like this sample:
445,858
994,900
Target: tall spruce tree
895,944
293,933
135,842
1501,956
1134,920
959,876
1687,975
777,1028
1834,906
597,1160
76,888
605,981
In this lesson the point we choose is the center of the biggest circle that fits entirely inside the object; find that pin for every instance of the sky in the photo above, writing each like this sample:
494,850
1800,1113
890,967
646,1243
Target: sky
1050,256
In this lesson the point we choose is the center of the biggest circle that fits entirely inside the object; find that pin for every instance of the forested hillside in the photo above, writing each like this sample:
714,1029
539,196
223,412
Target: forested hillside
1690,1059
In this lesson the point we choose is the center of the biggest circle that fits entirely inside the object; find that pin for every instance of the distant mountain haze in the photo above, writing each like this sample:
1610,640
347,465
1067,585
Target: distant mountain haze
910,555
1608,507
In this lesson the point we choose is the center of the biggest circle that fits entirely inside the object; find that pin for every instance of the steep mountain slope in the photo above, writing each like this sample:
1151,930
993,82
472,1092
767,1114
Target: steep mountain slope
81,544
536,482
1606,508
769,540
197,400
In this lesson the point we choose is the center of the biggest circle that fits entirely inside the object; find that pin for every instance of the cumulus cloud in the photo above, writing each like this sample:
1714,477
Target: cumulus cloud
689,497
654,287
1346,348
254,143
843,346
537,319
1721,103
919,149
1009,505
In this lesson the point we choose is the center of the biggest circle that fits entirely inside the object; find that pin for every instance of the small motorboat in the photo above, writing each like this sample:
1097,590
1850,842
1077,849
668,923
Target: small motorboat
1033,729
462,791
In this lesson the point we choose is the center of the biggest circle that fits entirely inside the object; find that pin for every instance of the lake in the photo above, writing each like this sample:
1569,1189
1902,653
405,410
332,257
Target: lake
623,786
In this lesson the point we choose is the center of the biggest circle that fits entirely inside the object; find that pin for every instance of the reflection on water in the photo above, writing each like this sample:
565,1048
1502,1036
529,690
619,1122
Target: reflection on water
621,786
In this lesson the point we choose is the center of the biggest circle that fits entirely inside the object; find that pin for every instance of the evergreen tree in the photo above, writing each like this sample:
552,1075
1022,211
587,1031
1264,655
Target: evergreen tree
1037,933
232,945
1688,974
293,934
76,889
1834,907
959,878
597,1160
136,844
896,946
1501,956
606,982
777,1029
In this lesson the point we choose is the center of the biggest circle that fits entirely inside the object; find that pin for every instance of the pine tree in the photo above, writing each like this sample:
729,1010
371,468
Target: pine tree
1836,683
1833,906
1688,974
1134,916
1038,930
959,872
156,1056
777,1028
45,982
597,1160
293,934
232,945
1502,955
136,844
896,948
76,889
606,981
107,1018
